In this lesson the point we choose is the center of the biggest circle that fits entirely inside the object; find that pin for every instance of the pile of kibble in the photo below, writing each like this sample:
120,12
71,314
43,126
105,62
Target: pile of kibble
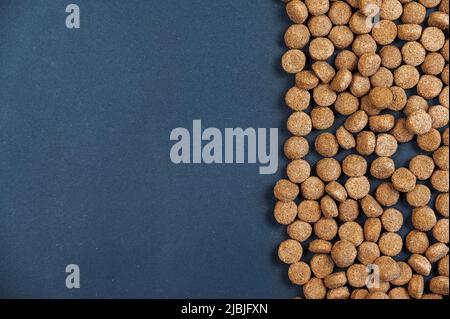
364,84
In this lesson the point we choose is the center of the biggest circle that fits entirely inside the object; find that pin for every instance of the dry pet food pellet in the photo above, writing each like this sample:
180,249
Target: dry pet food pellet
337,191
386,194
403,180
443,268
417,242
285,212
296,147
339,13
341,80
346,59
439,285
348,210
419,196
399,293
419,122
297,99
299,230
321,265
328,169
357,187
381,123
299,273
413,53
413,12
357,275
352,232
382,167
368,252
290,251
297,11
422,166
354,165
306,80
296,36
312,188
432,39
416,286
390,244
356,122
320,49
323,95
319,26
309,211
329,207
391,57
429,86
324,71
322,118
299,124
365,143
389,269
359,294
430,141
386,145
439,116
345,138
423,218
346,104
385,32
401,132
392,220
343,253
382,78
293,61
442,204
326,145
409,32
406,77
335,280
420,264
372,229
370,207
436,251
285,190
440,180
405,274
319,246
314,289
391,9
326,228
440,231
298,171
369,64
364,44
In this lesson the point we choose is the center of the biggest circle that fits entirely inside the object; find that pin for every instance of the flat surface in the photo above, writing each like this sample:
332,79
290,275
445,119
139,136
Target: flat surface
85,174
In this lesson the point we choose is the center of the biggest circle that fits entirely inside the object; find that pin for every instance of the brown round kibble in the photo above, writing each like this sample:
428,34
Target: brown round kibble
409,32
445,76
366,6
381,97
439,20
296,147
317,7
345,138
440,231
343,253
365,143
328,169
341,80
296,36
415,103
369,64
346,59
320,49
337,191
433,39
357,275
386,145
444,6
298,171
357,187
434,64
439,115
443,266
370,207
442,204
436,252
348,210
323,95
439,285
358,23
423,218
419,196
326,145
319,246
389,269
329,207
312,188
419,122
290,251
429,86
339,13
406,77
403,180
399,293
414,13
439,181
360,85
364,43
430,141
319,26
445,137
314,289
346,103
341,36
321,265
430,3
335,280
309,211
390,244
401,132
386,194
285,212
391,57
377,295
420,264
391,9
285,190
368,252
293,61
354,165
372,229
299,124
392,220
297,11
417,242
352,232
444,97
356,122
381,123
322,118
413,53
405,274
324,71
382,167
299,273
422,166
385,32
416,286
299,230
306,80
297,99
326,228
382,78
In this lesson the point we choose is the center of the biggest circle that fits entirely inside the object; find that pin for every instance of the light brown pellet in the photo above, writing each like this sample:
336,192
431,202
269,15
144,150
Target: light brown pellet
290,251
405,274
357,187
372,229
417,242
419,196
309,211
392,220
389,269
321,265
297,99
299,273
348,210
322,118
326,228
386,194
296,147
314,289
298,171
368,252
328,169
312,188
382,167
285,212
343,253
420,264
285,190
442,204
403,180
335,280
416,286
299,230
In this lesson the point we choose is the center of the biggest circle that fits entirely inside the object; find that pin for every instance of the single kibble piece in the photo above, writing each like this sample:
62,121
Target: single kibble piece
299,230
392,220
382,167
321,265
413,12
409,31
415,103
372,229
389,269
399,293
297,11
293,61
439,115
298,171
322,118
382,78
320,49
442,204
403,180
433,39
357,187
317,7
385,32
319,246
309,211
357,275
343,253
370,207
417,242
358,23
328,169
296,147
296,36
352,232
413,53
346,59
419,122
443,268
422,166
381,123
423,218
323,95
285,190
299,273
339,13
420,264
436,252
369,63
306,80
329,207
299,124
365,143
345,138
312,188
354,165
416,286
360,85
297,99
401,132
356,122
290,251
335,280
406,77
285,212
386,145
326,228
429,86
359,294
348,210
386,194
341,81
391,57
391,9
405,274
419,196
368,252
326,145
323,71
440,180
439,285
390,244
337,191
319,26
441,157
314,289
440,231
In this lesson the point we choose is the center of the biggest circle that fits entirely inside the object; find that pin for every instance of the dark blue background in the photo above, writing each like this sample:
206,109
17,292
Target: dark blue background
85,174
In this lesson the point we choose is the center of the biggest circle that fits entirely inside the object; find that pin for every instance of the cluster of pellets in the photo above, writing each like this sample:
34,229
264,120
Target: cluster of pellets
366,83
